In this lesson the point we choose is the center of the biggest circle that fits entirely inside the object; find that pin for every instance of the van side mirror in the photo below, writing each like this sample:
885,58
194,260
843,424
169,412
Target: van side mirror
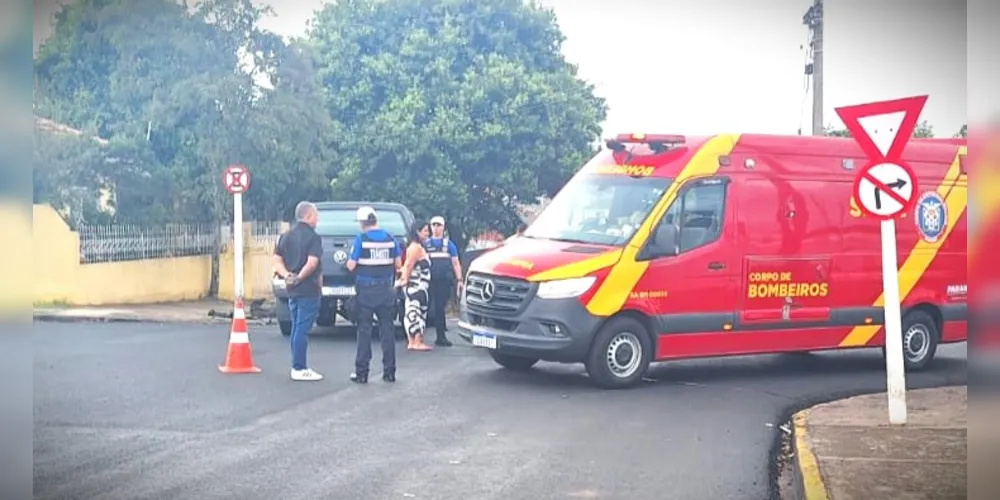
665,241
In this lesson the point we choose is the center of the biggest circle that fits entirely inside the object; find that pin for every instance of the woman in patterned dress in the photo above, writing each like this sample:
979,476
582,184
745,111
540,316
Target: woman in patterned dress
415,279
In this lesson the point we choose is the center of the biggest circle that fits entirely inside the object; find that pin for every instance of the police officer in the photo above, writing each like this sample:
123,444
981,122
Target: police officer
446,276
375,257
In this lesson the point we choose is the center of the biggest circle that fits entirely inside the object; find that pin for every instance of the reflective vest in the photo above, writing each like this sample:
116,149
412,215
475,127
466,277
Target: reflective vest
376,262
440,258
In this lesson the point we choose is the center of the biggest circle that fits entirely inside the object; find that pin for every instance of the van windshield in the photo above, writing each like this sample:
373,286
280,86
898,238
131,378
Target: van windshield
598,209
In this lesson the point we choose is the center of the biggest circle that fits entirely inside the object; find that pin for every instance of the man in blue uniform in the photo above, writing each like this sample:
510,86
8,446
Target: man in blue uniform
446,276
375,257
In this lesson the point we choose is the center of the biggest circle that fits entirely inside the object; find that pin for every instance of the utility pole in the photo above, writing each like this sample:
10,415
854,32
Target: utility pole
813,18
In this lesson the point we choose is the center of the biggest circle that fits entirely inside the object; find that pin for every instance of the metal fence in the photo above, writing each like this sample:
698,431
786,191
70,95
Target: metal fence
265,234
128,242
262,240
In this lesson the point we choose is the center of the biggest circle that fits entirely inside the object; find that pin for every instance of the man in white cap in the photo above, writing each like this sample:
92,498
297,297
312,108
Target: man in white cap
446,276
374,259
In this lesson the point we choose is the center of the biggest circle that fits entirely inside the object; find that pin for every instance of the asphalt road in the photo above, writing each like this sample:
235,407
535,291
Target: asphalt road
139,411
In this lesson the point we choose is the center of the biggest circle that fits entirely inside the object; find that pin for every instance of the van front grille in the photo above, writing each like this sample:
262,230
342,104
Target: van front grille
508,297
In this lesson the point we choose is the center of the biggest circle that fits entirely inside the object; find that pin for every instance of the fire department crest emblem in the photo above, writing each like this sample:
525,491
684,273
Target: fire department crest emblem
931,216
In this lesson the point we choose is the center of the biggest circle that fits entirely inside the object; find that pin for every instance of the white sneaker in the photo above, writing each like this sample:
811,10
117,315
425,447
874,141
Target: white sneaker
306,375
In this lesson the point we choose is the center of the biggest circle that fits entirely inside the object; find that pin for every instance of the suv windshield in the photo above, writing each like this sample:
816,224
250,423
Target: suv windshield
599,209
342,222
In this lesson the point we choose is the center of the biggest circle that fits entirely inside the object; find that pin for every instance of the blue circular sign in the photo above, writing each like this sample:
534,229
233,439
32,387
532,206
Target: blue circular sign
931,216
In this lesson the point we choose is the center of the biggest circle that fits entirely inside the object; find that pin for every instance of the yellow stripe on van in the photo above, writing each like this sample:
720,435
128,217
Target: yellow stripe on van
615,289
953,190
579,268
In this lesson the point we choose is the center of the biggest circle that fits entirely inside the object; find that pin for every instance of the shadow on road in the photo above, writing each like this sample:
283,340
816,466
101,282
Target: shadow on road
776,367
788,365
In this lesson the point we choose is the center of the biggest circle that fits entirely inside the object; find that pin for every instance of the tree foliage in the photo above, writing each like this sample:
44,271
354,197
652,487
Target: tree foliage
177,92
459,107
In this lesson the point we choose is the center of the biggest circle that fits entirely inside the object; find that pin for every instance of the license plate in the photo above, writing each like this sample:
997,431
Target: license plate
339,291
484,340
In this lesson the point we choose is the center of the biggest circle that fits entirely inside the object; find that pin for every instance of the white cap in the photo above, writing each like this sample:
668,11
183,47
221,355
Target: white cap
437,219
365,213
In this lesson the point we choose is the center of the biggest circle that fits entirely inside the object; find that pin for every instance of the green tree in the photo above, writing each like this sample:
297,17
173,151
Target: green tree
923,130
459,107
181,93
67,174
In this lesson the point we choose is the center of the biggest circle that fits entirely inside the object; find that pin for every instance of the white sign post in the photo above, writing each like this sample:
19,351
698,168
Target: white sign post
236,179
886,189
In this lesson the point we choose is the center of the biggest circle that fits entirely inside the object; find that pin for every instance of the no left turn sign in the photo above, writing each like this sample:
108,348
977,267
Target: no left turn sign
885,190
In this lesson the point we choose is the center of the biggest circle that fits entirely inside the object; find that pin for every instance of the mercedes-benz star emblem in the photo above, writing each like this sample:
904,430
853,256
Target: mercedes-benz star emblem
340,256
487,291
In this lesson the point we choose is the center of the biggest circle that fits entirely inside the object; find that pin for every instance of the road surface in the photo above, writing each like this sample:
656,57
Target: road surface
139,411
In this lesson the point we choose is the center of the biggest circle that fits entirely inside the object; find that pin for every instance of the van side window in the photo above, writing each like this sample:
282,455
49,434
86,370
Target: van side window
698,213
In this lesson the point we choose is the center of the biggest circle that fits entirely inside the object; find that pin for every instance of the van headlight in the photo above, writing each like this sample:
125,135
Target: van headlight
564,289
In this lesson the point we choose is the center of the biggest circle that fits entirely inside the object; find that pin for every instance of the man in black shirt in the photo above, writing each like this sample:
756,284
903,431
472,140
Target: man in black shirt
297,260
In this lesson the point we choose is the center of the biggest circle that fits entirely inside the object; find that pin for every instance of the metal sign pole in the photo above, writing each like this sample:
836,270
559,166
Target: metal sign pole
238,244
894,367
887,189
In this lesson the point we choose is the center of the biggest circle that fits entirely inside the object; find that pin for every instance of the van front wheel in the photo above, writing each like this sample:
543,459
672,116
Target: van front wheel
620,355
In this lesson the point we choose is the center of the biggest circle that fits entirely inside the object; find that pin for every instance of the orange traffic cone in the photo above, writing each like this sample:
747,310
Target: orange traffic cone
239,359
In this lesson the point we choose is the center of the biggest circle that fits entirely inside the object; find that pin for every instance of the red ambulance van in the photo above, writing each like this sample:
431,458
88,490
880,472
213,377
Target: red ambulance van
665,247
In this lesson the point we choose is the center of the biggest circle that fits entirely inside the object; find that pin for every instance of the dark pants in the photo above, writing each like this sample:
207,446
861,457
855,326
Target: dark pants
303,311
380,300
441,289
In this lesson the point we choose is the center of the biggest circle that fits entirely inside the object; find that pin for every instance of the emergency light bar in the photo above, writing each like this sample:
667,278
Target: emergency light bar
657,142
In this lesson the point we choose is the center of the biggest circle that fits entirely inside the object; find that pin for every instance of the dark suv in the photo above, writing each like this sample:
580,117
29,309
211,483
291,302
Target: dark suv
337,227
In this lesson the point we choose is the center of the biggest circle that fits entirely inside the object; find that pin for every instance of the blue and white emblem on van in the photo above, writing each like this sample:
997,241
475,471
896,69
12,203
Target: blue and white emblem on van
931,216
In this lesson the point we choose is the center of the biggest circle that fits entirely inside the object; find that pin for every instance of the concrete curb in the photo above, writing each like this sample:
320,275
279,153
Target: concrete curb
810,481
55,317
69,317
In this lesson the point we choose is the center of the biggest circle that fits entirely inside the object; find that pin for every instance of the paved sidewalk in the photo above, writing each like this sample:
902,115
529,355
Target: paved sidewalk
846,449
177,312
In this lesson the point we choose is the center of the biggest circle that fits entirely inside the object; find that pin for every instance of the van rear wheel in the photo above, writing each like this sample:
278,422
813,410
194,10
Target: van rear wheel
620,355
920,340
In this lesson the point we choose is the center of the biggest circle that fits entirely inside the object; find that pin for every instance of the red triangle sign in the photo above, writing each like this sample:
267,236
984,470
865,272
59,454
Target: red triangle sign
889,146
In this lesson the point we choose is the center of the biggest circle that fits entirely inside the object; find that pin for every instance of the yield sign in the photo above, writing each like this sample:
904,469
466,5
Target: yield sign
883,128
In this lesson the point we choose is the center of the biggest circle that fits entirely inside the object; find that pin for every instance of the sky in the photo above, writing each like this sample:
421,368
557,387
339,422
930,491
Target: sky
711,66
